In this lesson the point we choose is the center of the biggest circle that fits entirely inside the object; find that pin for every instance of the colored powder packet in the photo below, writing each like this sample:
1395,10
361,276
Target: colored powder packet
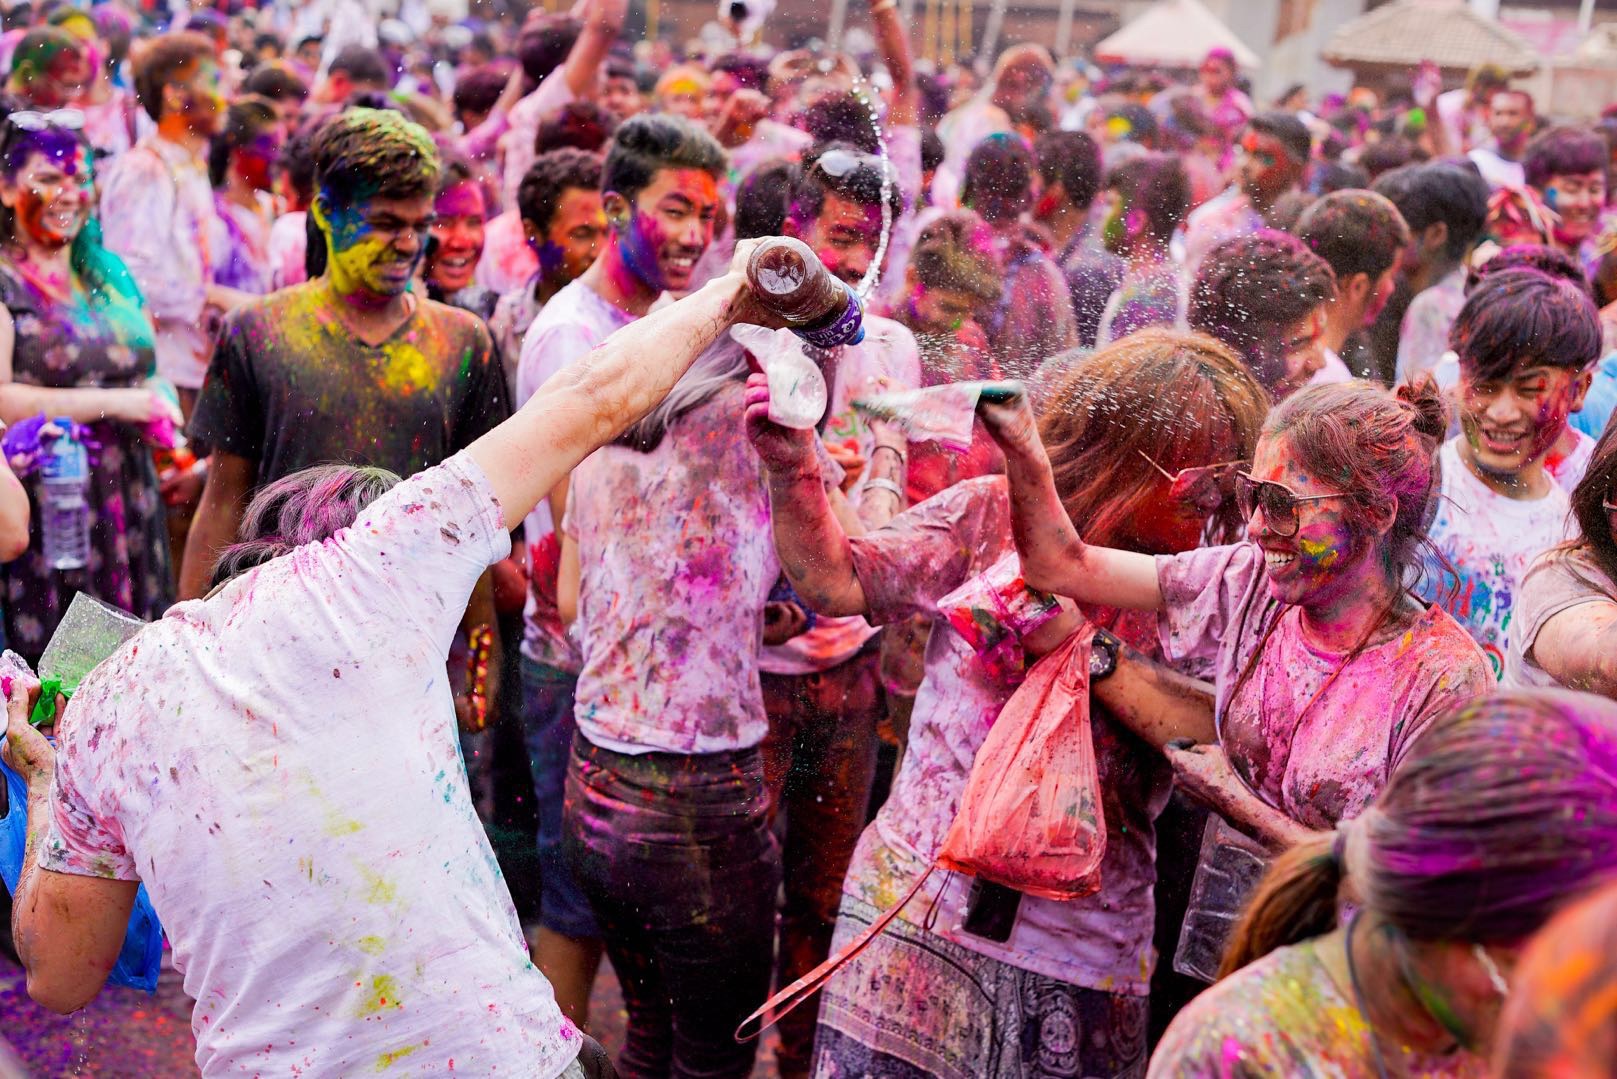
943,414
88,633
994,610
798,394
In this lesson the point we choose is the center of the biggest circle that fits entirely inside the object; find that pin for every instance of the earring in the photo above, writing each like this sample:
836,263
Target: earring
1501,986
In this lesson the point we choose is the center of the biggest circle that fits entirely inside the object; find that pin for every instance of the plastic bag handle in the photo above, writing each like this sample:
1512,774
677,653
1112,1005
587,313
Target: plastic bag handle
777,1006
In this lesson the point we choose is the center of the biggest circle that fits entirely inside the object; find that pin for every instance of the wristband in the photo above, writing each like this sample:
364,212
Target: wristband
894,450
886,485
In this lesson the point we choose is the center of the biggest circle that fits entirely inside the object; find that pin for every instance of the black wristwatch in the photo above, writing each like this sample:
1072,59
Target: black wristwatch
1103,653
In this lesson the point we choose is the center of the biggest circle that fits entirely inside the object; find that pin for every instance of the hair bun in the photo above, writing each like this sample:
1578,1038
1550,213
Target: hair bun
1425,400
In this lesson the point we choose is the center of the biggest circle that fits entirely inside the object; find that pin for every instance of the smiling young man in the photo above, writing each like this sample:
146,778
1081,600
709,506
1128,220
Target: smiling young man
660,190
1567,166
1526,343
1361,235
351,366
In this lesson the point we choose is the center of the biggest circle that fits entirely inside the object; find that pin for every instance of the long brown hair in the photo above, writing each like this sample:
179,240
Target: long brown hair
1599,484
1183,398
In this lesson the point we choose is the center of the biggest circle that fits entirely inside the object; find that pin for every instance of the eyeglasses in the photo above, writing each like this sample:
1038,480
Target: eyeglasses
27,120
1205,487
840,164
1278,502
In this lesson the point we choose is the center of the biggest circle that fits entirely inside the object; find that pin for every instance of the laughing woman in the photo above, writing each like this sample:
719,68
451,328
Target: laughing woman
76,342
1326,669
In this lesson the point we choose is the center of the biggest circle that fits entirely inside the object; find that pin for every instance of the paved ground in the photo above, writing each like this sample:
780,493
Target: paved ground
126,1034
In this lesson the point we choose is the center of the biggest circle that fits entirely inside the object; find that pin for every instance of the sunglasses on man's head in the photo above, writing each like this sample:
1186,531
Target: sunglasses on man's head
1277,501
1204,486
840,164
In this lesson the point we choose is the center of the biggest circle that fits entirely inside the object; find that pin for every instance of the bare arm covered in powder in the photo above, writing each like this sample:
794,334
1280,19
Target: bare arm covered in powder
1578,648
593,401
1054,558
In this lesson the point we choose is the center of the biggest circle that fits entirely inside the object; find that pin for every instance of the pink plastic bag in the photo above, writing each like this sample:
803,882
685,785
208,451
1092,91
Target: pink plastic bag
1030,816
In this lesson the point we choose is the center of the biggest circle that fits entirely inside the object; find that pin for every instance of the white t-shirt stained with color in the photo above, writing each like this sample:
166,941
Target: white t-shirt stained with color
279,764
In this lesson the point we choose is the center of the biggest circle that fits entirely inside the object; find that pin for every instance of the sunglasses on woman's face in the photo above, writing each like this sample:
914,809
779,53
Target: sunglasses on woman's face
1608,505
1277,501
1204,486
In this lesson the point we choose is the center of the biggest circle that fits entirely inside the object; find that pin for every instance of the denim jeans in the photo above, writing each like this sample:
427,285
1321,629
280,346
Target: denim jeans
676,856
547,730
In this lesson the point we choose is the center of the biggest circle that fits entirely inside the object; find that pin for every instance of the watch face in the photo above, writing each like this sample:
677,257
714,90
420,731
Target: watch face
1102,657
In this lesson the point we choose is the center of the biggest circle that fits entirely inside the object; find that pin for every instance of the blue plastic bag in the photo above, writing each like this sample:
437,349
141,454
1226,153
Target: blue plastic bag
142,953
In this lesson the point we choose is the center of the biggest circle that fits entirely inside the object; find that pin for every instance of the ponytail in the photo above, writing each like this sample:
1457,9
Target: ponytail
1295,900
1430,411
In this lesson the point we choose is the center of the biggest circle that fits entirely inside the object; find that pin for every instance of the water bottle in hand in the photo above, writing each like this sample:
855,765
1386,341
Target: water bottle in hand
64,501
789,278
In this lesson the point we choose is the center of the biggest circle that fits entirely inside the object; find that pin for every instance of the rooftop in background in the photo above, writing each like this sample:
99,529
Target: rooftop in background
1449,32
1173,33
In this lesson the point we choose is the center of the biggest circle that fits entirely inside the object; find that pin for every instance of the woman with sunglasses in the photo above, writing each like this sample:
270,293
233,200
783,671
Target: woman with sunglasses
75,342
1504,812
1325,667
1018,985
1565,631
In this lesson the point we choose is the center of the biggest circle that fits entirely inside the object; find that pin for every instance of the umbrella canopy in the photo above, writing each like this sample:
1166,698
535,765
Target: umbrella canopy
1447,32
1173,33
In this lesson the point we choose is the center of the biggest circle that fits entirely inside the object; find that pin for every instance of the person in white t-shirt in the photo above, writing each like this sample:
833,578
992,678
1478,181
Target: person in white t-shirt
1361,235
277,762
659,187
1526,343
1510,122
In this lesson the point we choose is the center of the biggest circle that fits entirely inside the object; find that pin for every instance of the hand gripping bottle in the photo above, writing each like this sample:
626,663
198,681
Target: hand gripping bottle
63,502
789,279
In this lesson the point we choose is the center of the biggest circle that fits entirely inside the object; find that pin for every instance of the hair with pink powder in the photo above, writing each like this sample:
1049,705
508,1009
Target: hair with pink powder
305,507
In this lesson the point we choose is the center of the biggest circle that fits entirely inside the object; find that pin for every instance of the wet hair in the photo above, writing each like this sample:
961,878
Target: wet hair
362,65
550,177
363,154
1595,538
244,120
1154,185
1287,130
1375,445
998,179
1561,1017
861,185
479,90
1249,288
1504,810
275,83
163,60
763,198
38,50
582,125
1523,318
1356,232
544,42
1564,150
1426,194
843,118
1071,159
1183,398
305,507
650,142
1548,260
956,252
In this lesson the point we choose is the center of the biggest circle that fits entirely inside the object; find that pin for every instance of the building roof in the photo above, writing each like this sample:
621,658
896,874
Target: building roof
1173,33
1446,32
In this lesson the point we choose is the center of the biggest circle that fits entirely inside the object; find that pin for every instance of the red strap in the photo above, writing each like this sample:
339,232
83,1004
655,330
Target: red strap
784,1001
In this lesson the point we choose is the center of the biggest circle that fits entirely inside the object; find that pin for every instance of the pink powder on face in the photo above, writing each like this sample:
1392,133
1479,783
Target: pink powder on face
464,199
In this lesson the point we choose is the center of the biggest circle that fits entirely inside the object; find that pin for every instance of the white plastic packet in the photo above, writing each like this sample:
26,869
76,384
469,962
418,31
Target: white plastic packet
798,394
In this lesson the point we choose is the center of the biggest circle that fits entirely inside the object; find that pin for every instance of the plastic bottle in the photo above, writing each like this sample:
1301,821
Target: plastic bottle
64,505
789,279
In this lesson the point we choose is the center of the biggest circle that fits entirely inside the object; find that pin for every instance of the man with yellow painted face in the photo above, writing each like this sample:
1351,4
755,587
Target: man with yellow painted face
352,365
1271,155
157,207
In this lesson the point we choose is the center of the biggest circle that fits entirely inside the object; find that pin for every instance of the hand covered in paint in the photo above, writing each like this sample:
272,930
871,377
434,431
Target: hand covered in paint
783,621
783,450
1204,773
1008,416
851,461
26,750
142,407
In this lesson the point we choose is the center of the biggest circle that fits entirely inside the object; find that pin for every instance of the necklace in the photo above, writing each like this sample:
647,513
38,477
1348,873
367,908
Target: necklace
1358,1000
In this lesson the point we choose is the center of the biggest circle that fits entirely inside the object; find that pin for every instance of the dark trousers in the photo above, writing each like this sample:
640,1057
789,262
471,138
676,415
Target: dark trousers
819,761
675,855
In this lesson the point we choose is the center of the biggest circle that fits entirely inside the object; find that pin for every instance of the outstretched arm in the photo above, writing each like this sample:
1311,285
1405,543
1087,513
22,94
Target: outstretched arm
1054,558
603,19
594,400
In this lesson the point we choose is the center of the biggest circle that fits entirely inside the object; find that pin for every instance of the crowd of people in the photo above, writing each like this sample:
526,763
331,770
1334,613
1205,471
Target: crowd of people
499,623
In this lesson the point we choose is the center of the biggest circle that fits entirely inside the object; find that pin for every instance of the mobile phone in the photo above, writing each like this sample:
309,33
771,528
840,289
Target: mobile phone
998,393
991,910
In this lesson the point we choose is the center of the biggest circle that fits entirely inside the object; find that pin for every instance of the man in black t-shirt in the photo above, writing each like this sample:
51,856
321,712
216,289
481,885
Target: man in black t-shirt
351,366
